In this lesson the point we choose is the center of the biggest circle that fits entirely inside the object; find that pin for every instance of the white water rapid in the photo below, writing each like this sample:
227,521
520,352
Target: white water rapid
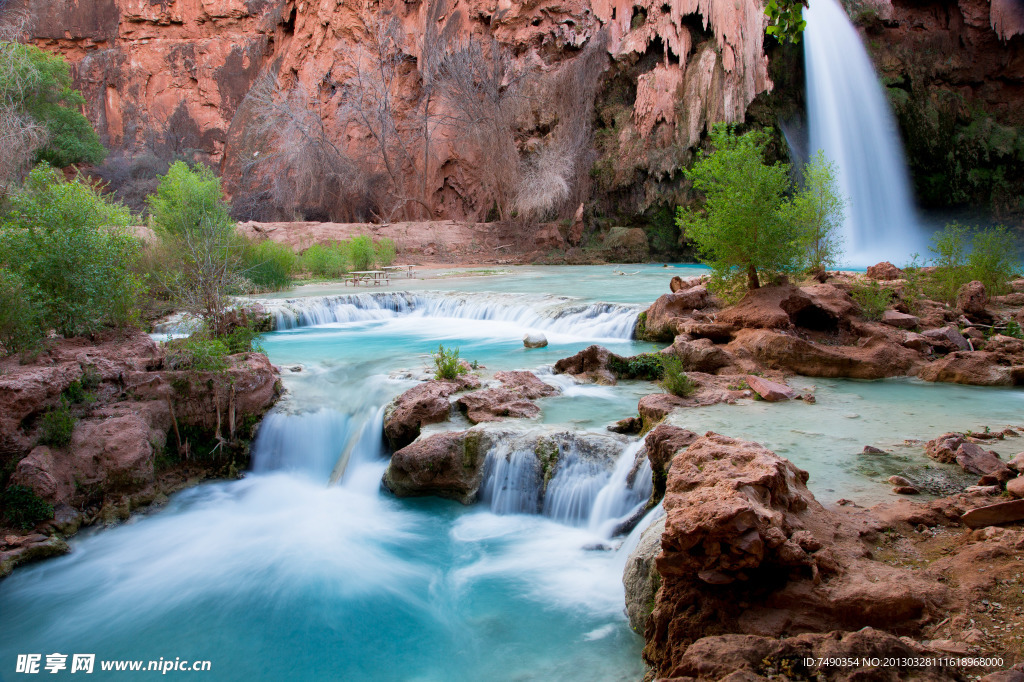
850,120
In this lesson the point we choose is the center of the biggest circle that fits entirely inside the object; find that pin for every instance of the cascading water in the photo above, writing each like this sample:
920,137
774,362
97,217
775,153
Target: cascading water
850,120
557,314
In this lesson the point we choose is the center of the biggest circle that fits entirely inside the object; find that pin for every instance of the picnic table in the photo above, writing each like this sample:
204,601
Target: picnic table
399,268
368,277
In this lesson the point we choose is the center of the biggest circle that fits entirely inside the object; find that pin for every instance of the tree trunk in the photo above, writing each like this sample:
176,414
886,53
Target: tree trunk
752,281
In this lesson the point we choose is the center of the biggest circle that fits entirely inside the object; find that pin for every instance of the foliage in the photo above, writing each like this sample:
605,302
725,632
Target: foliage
360,251
384,252
243,339
70,244
675,380
268,265
23,508
743,231
1013,329
198,353
948,245
326,260
57,425
913,289
785,20
818,211
195,227
647,366
21,325
872,298
39,111
993,259
446,363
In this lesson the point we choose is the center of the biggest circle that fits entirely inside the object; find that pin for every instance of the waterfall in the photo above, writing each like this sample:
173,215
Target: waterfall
583,492
850,120
557,314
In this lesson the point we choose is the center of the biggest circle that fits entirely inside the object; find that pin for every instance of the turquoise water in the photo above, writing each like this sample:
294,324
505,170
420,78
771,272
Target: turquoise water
281,576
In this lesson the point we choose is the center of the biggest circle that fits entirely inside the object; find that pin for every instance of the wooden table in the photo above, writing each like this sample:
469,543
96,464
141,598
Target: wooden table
399,268
368,277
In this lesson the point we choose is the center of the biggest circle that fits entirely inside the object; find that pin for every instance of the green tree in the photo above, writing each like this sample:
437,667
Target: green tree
994,259
193,221
37,84
742,231
817,210
74,248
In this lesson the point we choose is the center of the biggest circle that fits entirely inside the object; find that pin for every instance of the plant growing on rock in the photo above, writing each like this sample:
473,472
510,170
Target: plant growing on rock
57,425
23,508
742,232
872,298
198,353
990,259
447,365
674,379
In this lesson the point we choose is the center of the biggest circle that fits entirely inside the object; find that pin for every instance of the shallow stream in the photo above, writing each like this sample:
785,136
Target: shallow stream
282,576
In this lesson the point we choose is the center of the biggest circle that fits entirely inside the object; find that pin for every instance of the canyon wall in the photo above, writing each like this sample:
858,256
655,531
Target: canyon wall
170,78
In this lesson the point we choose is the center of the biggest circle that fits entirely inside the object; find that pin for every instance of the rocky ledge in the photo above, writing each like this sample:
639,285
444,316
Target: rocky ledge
819,330
98,428
749,575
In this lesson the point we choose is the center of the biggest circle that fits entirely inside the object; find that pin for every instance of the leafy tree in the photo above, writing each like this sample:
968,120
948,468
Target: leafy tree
818,211
38,84
21,326
993,259
194,223
743,230
74,248
785,20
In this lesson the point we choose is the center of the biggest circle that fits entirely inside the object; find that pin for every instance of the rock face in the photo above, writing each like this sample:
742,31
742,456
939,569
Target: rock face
971,299
747,550
772,391
137,406
423,404
177,77
589,365
661,315
641,578
447,465
456,465
525,384
495,404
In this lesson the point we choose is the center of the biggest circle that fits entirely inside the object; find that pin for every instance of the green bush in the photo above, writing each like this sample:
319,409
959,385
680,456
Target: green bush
647,366
57,425
243,340
446,363
1013,329
361,252
993,259
675,380
188,199
269,265
742,232
872,298
77,393
21,326
384,252
818,211
913,290
329,260
23,508
198,353
70,244
950,261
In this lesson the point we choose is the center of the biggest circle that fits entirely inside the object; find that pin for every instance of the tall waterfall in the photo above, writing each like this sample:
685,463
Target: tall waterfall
850,120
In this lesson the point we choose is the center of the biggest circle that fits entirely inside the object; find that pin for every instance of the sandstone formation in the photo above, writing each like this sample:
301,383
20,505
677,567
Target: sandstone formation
447,465
752,575
423,404
128,409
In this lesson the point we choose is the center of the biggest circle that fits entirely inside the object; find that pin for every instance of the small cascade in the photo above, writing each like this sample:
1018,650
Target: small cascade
850,120
623,493
571,494
324,444
553,314
585,491
512,481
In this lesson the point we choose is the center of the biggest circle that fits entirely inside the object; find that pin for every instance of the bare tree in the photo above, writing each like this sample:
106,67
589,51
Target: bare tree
482,90
291,151
555,179
20,134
